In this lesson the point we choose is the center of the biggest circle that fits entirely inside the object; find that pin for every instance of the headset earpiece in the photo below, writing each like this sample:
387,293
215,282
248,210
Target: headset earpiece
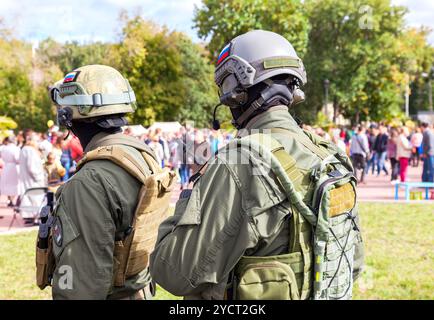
64,117
235,98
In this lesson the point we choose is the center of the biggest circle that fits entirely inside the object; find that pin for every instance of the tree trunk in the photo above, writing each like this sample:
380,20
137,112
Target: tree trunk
335,109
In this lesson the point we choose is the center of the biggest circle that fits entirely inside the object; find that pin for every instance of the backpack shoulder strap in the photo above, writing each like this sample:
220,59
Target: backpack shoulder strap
303,138
120,156
285,159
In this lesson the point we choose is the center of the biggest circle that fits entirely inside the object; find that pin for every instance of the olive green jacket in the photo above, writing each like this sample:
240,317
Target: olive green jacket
232,211
93,208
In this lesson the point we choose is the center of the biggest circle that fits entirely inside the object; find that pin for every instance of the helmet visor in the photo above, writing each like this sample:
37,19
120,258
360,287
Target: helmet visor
228,84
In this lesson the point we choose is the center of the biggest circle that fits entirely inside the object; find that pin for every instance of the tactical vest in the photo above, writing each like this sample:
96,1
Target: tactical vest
323,226
131,254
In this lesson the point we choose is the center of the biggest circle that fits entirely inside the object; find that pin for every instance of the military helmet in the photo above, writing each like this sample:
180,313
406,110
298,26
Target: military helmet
254,57
93,91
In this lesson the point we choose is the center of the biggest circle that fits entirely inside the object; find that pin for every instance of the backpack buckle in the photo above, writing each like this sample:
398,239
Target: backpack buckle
315,174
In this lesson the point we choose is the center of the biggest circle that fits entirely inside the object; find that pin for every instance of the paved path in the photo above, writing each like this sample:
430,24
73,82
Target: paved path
380,189
376,189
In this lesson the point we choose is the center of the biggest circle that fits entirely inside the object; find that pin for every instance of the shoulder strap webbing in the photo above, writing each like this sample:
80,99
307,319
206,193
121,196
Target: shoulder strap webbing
151,162
287,162
122,139
125,160
304,140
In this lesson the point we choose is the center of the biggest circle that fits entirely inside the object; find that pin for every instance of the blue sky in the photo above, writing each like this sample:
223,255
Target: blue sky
97,20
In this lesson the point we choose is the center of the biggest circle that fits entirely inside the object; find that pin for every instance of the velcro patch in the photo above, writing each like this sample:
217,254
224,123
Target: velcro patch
71,77
281,62
342,200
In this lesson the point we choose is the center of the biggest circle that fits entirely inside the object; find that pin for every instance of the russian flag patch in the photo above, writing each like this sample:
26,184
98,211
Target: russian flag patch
70,77
224,53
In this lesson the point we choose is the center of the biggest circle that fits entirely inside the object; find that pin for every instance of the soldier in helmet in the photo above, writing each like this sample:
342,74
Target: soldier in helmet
283,223
103,224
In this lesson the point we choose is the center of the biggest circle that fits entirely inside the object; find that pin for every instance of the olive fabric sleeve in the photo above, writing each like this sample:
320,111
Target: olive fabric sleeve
209,232
84,258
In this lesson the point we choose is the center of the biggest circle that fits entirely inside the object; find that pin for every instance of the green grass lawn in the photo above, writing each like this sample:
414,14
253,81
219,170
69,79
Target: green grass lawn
399,242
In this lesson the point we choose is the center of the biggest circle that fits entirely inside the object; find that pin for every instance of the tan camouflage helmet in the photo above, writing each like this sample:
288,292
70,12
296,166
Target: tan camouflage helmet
94,91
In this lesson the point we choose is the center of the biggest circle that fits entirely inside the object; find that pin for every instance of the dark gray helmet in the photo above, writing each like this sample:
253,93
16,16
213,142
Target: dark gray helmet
256,57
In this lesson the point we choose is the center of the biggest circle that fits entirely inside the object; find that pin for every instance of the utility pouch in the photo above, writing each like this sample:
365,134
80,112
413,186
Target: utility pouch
45,262
269,278
45,265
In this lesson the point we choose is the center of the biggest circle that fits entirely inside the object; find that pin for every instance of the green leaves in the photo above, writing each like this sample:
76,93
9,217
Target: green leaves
362,47
222,20
171,76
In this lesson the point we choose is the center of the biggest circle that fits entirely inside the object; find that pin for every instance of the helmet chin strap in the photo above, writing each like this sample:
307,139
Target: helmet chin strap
274,90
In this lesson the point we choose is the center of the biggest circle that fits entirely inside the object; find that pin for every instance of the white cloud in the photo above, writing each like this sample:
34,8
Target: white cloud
421,12
85,20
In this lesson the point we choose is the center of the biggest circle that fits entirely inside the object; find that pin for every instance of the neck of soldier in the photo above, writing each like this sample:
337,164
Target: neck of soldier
239,113
86,131
274,117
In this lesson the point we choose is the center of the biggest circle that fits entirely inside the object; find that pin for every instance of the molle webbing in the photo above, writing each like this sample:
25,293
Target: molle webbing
131,255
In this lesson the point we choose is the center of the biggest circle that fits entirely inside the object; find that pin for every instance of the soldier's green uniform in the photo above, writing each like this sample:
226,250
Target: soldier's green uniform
231,212
105,220
237,209
93,210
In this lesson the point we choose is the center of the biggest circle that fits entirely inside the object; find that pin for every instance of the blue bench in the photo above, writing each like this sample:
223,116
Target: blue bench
411,185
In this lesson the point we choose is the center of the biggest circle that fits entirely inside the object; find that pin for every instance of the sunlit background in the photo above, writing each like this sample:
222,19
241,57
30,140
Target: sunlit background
98,20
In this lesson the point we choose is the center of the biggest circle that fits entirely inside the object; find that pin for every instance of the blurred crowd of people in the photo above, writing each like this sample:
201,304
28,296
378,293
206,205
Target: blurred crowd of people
186,149
31,159
371,148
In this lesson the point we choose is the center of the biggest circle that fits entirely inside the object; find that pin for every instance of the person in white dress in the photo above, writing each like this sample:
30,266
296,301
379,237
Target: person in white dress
32,174
9,182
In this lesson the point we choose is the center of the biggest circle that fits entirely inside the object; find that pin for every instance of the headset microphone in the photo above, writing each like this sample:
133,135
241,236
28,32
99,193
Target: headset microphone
215,122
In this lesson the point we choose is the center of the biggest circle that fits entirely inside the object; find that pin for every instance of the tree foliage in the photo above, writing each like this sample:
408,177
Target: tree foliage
222,20
23,81
362,47
171,75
